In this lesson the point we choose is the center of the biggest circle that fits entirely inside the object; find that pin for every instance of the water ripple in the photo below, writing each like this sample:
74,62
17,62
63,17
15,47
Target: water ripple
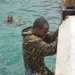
11,59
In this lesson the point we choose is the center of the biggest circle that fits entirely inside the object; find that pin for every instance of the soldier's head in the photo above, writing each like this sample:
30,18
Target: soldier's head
40,27
10,18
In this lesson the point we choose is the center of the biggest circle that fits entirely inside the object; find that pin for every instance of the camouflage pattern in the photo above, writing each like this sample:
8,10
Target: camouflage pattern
51,36
34,51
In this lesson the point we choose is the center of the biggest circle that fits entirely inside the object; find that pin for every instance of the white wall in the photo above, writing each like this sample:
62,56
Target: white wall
65,60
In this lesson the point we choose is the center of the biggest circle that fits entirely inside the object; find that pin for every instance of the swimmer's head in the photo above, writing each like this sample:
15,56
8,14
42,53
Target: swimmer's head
10,18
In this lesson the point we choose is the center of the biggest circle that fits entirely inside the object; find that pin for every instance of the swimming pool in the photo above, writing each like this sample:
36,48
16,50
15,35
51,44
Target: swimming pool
11,59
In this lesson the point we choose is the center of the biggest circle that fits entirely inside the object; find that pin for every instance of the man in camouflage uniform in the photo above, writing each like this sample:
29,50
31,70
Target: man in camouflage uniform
37,44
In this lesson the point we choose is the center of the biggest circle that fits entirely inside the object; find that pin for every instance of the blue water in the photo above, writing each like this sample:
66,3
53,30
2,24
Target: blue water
11,59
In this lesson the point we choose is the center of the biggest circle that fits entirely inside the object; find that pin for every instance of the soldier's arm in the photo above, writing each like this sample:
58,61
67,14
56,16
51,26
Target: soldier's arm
42,48
51,36
56,33
49,49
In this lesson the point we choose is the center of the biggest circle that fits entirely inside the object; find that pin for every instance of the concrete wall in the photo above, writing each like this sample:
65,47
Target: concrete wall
65,60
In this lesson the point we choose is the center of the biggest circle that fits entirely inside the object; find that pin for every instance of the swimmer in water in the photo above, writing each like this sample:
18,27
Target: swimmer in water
11,20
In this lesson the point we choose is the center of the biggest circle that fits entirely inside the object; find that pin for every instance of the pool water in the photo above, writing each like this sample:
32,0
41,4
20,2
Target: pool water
11,59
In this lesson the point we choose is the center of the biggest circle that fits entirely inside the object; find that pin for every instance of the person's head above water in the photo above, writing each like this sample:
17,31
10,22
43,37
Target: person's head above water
40,27
10,18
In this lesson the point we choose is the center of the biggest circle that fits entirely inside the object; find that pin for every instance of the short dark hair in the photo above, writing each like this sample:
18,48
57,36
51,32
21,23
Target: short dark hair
39,23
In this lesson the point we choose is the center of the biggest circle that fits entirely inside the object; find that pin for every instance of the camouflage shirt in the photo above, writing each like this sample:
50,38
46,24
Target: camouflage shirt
34,51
